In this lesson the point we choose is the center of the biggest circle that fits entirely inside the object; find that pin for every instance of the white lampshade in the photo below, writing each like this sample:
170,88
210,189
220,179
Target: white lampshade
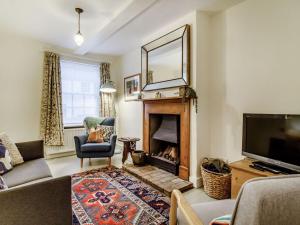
108,87
79,39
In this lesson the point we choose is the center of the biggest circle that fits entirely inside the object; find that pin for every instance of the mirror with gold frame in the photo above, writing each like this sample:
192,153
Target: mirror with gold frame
166,60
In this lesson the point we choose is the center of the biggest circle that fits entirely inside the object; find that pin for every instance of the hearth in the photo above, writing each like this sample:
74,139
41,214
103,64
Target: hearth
165,142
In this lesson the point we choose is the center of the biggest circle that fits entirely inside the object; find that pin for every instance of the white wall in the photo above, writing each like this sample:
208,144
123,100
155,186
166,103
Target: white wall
21,63
131,113
21,74
255,68
244,59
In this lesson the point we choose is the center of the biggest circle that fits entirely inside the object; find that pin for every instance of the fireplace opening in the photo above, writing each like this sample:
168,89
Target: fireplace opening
165,142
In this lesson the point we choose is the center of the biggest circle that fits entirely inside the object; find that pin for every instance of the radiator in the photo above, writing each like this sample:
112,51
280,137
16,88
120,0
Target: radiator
69,145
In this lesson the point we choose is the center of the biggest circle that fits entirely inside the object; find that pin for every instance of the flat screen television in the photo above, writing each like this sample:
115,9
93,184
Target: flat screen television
273,139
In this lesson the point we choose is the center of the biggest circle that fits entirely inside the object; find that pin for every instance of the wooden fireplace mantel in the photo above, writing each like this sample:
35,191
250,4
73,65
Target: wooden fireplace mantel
174,107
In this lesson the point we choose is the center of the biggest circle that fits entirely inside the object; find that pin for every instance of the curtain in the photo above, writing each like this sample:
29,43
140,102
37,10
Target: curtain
51,109
107,104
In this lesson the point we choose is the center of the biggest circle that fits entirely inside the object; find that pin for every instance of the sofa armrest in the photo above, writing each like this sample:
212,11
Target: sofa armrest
47,202
178,201
31,149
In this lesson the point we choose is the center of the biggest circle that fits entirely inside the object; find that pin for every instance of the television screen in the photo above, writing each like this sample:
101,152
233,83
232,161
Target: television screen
272,138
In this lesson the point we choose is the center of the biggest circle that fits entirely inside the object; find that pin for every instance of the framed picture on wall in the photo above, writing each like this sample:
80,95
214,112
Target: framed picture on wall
132,87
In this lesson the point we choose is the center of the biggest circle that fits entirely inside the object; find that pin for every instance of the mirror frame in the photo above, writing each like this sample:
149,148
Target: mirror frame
184,80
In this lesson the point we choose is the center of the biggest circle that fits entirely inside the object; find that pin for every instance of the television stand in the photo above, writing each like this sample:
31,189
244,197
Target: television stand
271,168
242,171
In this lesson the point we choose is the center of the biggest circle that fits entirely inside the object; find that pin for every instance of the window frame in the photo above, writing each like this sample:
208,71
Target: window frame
86,62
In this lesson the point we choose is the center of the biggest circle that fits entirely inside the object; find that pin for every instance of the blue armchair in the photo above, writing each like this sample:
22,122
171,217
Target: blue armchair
96,150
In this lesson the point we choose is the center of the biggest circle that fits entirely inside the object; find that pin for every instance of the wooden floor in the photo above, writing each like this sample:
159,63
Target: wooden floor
160,179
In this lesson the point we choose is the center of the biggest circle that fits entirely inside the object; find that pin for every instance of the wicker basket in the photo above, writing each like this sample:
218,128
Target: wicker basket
216,185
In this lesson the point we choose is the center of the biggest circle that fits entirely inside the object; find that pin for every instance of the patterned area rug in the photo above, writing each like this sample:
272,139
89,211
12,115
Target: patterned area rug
105,196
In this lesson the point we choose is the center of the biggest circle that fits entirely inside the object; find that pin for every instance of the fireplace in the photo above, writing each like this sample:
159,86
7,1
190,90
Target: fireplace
164,149
166,132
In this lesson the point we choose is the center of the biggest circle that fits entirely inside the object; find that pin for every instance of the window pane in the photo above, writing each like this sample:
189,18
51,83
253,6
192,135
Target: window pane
91,101
80,91
78,100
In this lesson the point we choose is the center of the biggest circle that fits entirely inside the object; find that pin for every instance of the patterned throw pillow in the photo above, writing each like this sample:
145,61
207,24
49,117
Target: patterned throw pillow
5,160
222,220
16,157
3,185
95,136
107,131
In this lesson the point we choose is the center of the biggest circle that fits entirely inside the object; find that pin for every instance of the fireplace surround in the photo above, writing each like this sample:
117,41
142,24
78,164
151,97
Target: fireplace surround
166,124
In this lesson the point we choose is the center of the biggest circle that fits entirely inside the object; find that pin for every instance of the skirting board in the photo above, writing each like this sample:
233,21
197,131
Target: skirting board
197,181
65,153
60,154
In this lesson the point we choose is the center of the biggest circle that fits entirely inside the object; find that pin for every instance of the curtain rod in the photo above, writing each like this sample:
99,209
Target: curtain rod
77,57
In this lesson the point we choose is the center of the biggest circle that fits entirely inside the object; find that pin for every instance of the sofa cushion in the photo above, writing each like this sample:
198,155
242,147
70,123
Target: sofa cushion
3,185
15,155
5,160
96,147
207,211
26,172
33,182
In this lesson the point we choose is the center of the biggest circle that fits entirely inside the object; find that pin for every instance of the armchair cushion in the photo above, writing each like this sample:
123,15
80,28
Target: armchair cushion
276,202
95,136
96,147
107,131
26,172
207,211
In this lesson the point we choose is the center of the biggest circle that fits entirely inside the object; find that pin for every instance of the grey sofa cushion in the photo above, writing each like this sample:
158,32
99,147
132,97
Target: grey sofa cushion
273,200
26,172
32,182
207,211
96,147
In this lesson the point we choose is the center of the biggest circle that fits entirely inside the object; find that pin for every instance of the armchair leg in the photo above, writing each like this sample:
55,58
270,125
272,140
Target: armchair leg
109,162
90,161
81,162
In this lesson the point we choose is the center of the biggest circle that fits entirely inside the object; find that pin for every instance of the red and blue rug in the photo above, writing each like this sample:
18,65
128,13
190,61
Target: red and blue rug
105,196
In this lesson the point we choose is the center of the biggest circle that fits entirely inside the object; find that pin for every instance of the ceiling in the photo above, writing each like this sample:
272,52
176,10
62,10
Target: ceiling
109,26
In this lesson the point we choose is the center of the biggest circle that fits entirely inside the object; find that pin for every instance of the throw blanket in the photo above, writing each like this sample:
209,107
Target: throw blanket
222,220
92,122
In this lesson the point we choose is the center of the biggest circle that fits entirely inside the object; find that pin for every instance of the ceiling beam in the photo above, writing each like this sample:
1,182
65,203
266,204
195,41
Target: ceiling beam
129,13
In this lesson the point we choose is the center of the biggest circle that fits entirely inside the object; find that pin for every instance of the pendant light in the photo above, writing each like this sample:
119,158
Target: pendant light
78,38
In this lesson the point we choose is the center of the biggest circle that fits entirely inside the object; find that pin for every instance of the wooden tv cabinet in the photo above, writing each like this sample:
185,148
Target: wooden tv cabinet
241,172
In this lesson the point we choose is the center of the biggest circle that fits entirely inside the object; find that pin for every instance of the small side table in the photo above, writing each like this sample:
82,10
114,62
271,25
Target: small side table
129,146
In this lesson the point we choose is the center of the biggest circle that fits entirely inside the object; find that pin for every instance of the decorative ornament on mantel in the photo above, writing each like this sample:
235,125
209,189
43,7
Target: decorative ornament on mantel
78,38
189,93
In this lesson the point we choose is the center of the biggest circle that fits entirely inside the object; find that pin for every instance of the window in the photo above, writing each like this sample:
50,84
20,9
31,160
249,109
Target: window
80,91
